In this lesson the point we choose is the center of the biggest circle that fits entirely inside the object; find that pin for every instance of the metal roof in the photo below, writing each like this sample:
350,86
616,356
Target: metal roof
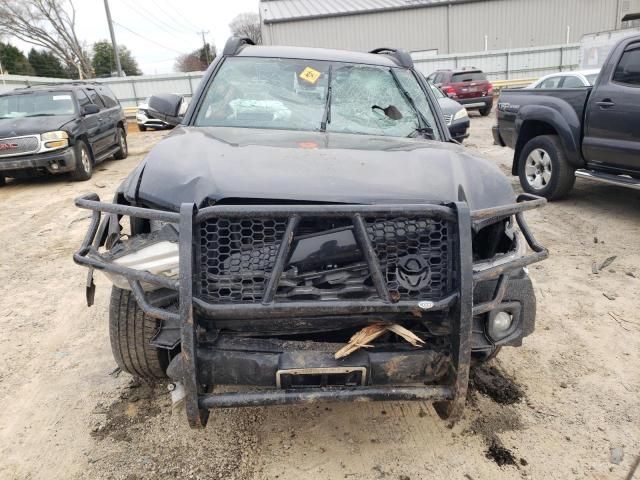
273,11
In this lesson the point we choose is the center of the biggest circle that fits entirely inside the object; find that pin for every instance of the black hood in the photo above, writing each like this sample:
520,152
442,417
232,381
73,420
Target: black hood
16,127
207,165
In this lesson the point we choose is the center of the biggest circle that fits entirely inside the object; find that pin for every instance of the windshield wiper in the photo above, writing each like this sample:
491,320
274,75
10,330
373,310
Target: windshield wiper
326,118
41,115
423,124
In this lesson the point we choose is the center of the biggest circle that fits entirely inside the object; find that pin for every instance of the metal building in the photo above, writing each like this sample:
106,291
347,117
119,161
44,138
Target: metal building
436,26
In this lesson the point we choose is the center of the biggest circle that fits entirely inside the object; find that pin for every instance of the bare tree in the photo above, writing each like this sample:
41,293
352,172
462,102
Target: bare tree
247,25
190,63
49,24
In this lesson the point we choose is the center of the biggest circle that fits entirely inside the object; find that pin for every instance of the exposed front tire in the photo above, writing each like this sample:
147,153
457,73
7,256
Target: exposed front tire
84,162
142,128
123,151
130,331
543,168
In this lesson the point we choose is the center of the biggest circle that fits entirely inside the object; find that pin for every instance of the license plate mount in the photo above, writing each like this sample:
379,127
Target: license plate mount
321,377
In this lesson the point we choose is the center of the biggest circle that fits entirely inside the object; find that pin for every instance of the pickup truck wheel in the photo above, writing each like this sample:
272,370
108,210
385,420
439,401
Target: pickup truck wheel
130,331
543,168
123,152
84,162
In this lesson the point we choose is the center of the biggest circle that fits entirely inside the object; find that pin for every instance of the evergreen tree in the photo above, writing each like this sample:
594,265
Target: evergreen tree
13,60
46,64
103,60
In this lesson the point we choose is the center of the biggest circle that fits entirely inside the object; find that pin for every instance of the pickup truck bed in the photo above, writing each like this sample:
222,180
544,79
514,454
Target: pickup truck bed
590,132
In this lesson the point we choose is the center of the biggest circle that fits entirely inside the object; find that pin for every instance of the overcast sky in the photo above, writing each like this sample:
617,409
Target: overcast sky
163,28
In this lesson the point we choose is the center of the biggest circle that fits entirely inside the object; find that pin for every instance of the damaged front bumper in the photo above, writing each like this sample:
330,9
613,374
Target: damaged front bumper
285,371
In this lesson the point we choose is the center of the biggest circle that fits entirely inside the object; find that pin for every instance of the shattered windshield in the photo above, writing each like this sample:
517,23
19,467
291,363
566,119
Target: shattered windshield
294,94
36,104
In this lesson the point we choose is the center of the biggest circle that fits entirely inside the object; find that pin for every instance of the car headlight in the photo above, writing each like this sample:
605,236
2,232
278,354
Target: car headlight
55,140
155,252
462,113
160,258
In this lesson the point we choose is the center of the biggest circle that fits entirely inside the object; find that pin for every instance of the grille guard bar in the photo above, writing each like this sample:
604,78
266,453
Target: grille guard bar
460,303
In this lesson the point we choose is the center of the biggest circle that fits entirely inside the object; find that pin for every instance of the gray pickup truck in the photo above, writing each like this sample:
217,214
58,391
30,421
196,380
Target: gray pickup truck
588,132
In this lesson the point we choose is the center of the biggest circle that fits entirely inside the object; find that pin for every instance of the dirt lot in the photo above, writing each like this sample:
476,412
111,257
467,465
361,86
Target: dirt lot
574,407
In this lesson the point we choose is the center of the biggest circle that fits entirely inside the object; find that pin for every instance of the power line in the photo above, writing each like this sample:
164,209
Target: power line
186,21
153,19
147,39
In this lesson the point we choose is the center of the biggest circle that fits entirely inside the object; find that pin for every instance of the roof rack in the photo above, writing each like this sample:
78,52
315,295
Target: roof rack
402,57
55,84
235,44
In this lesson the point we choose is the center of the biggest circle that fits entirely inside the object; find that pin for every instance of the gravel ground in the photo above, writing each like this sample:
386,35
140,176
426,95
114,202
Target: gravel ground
572,409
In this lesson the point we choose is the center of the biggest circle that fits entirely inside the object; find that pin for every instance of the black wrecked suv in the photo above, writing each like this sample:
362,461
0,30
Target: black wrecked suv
309,232
60,128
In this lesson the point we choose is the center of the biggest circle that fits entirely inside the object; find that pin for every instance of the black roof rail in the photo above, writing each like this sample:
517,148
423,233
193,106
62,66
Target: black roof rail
55,84
234,44
401,56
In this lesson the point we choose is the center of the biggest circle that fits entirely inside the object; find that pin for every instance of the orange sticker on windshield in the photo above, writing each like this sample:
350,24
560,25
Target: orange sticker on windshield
310,75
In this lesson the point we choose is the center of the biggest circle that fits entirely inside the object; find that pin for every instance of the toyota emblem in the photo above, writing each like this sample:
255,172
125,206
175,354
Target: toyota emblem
413,272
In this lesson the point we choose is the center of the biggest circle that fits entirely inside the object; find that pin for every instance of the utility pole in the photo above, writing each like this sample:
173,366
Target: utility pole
204,45
2,75
116,53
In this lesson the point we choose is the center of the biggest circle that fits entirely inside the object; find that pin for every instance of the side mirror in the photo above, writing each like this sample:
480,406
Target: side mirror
167,107
90,109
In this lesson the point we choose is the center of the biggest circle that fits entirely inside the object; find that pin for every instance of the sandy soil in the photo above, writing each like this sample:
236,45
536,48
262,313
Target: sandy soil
64,416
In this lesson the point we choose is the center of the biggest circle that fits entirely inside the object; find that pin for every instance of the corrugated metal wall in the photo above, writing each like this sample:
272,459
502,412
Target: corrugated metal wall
456,28
419,29
129,90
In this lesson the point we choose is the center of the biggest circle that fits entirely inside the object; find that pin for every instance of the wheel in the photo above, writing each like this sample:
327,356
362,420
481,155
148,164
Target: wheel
123,151
130,331
483,357
142,128
84,162
486,110
3,180
543,168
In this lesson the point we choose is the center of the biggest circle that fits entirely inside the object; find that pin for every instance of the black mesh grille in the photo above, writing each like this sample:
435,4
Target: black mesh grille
237,257
403,241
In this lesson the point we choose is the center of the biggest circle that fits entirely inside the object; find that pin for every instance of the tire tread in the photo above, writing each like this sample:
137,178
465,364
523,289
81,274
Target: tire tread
130,332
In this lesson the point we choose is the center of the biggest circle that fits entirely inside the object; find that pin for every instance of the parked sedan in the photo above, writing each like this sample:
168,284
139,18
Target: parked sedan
145,121
455,115
577,79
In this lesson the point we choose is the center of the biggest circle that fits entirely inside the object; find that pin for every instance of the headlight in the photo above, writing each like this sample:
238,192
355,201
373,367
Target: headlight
155,252
55,140
159,258
462,113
